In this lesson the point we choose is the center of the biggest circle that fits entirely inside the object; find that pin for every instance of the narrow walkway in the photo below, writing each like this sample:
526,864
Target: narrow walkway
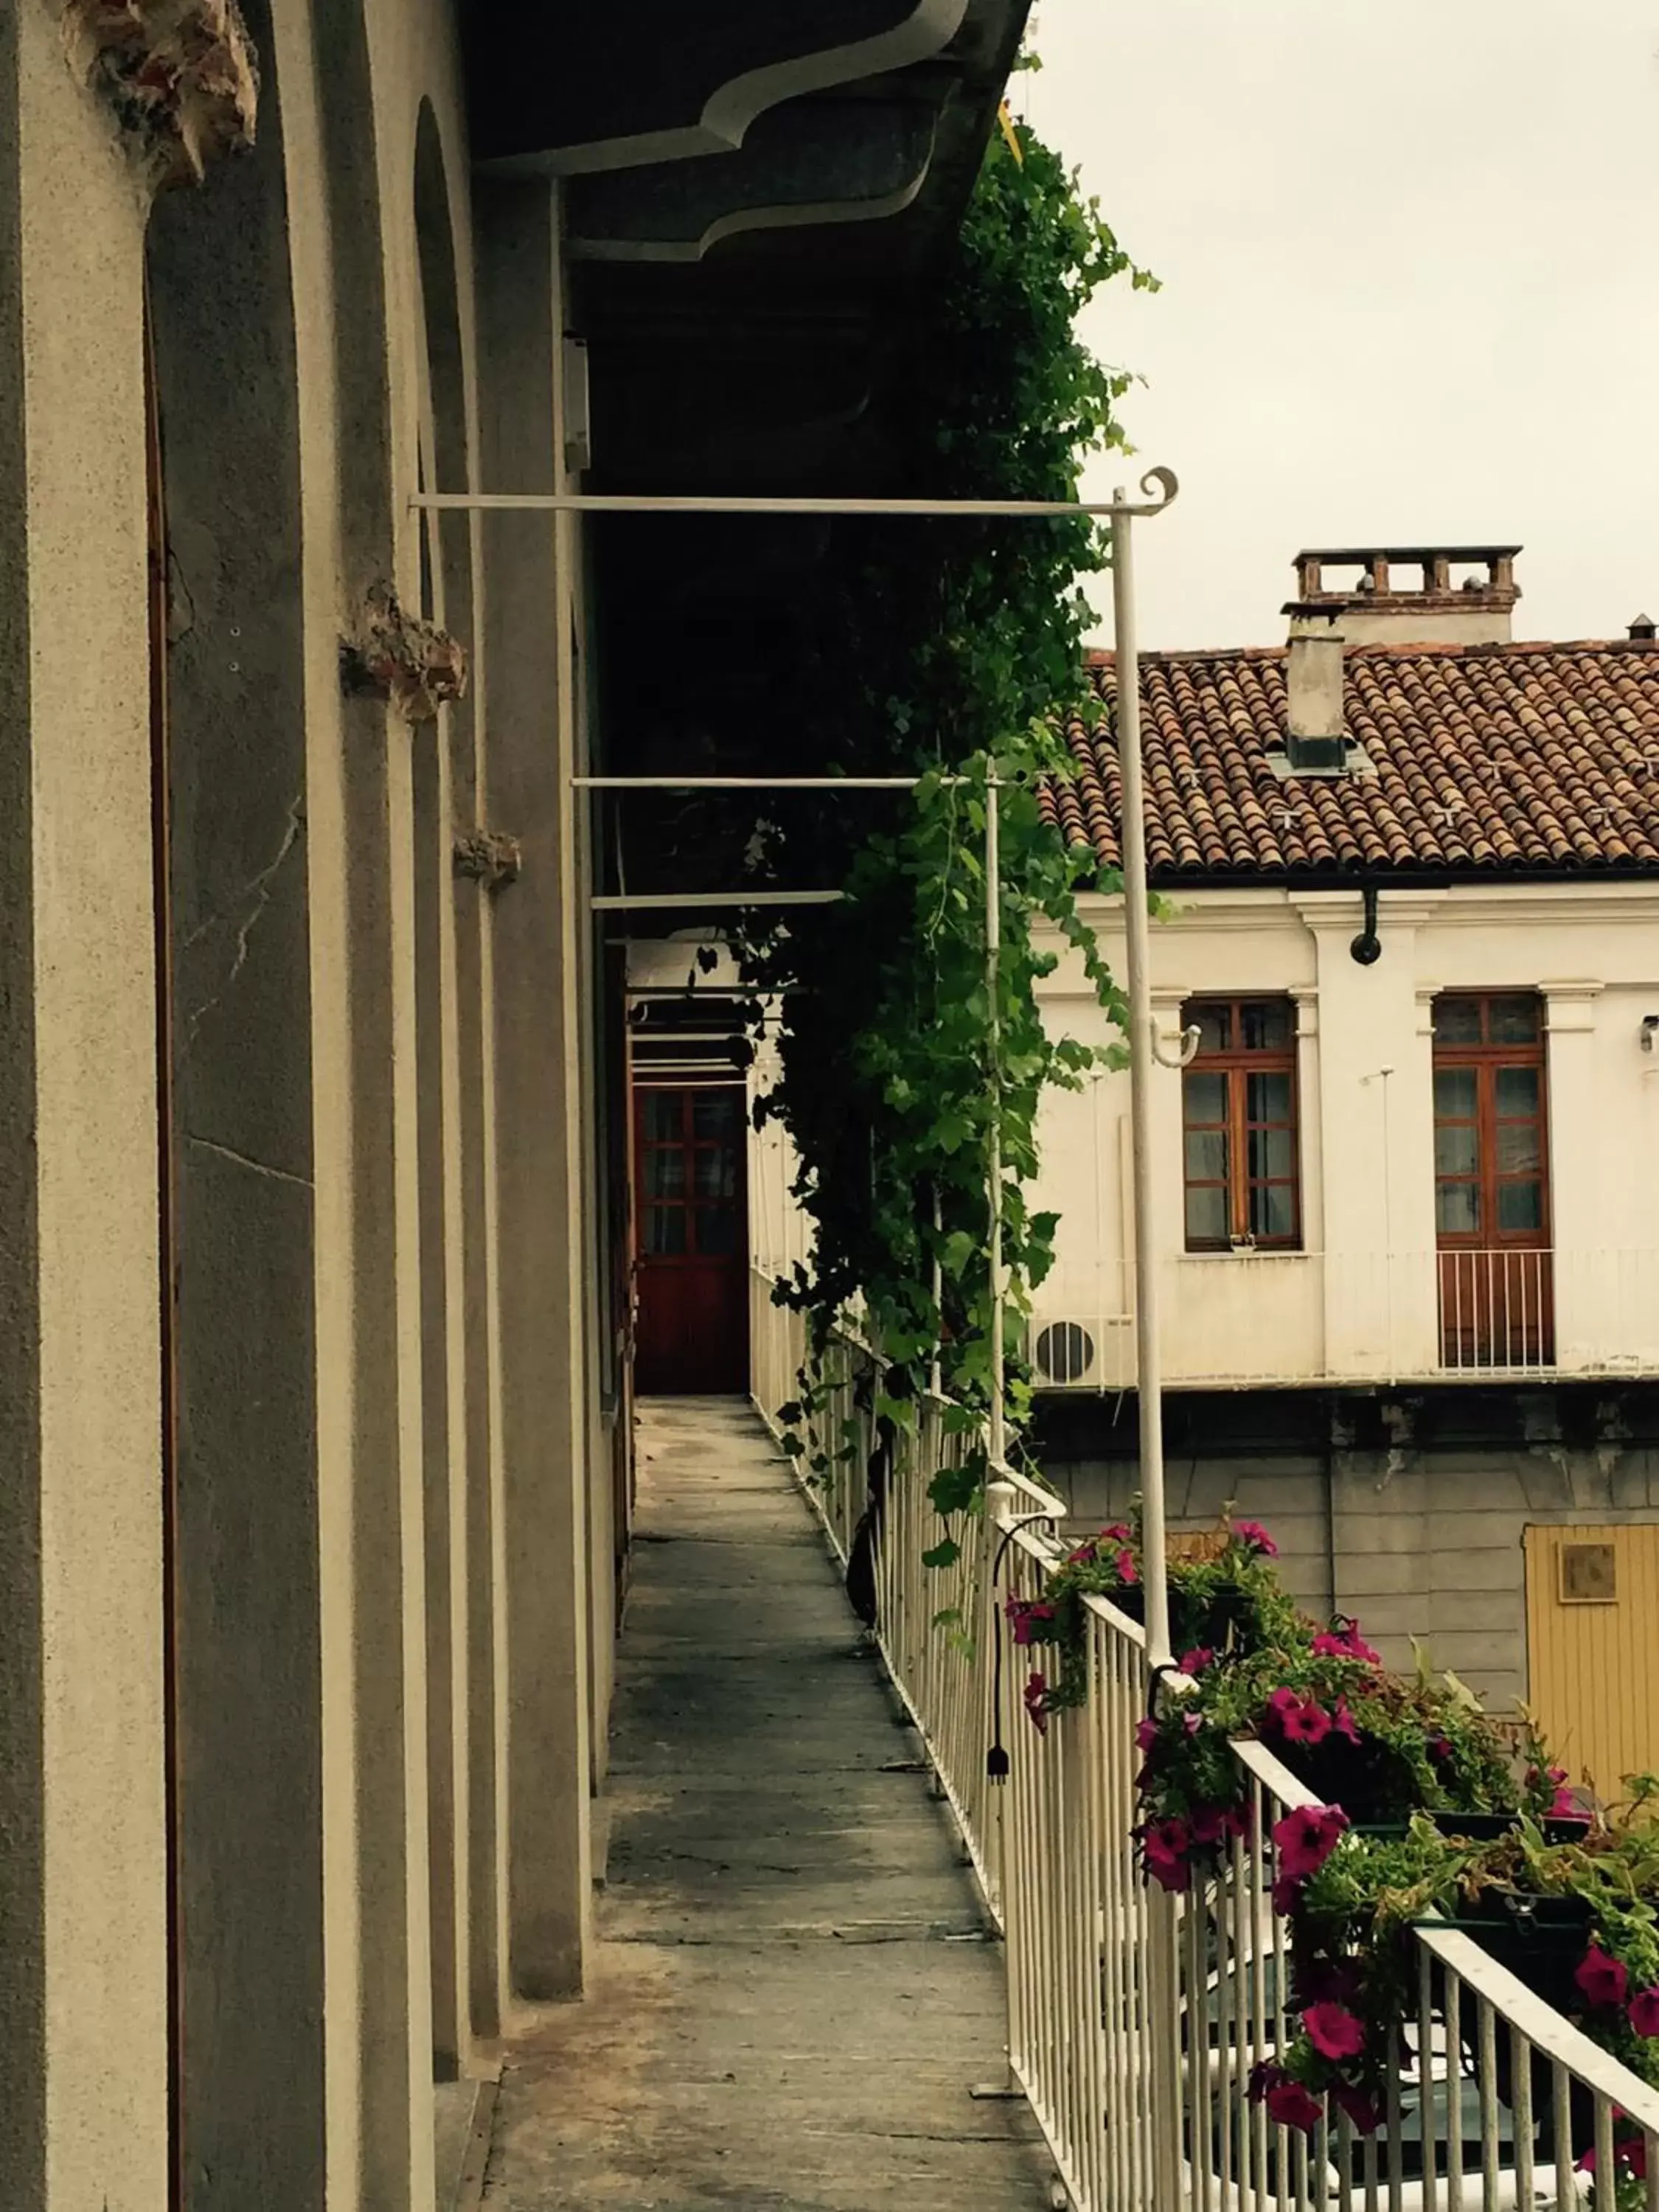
793,1992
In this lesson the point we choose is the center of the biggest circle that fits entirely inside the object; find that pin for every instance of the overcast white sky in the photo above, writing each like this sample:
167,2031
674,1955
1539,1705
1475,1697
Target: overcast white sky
1410,255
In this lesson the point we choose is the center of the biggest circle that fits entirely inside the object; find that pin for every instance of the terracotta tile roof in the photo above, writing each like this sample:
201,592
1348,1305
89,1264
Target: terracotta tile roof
1528,758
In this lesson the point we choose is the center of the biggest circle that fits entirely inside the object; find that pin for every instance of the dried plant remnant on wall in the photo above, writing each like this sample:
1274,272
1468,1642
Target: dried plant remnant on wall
413,663
489,856
181,76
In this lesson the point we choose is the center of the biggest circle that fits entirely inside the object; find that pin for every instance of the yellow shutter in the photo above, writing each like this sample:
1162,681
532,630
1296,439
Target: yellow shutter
1593,1658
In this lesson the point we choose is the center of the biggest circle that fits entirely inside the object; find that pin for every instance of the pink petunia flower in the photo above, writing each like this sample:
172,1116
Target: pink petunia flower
1194,1662
1286,1892
1630,2155
1165,1844
1252,1533
1036,1698
1644,2012
1305,1839
1024,1616
1333,2031
1292,2106
1284,1700
1307,1722
1602,1979
1118,1532
1083,1557
1145,1734
1128,1571
1343,1723
1564,1806
1359,2104
1344,1643
1214,1824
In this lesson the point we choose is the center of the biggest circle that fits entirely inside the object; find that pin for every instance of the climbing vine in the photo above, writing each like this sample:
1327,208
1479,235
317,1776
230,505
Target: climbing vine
945,649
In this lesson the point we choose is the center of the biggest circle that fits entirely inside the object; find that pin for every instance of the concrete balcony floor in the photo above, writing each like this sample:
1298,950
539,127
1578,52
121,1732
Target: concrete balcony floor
793,1991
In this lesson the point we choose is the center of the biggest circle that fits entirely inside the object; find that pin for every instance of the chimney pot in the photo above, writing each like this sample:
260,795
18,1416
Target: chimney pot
1404,594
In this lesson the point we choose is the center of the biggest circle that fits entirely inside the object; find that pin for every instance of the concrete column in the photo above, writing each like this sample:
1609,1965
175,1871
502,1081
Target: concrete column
1588,1284
541,1142
83,2020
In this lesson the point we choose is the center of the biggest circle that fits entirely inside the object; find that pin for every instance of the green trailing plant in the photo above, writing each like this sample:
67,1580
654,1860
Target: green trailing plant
945,651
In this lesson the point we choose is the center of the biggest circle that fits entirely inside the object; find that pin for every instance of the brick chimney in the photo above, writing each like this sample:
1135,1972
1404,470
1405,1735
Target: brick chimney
1405,595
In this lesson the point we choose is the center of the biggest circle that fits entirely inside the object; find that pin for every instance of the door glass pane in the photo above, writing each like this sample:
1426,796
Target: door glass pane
1206,1216
1457,1021
1457,1208
1205,1097
1513,1021
1517,1148
1518,1090
1455,1149
1267,1098
662,1115
664,1173
1271,1155
1520,1206
717,1228
665,1230
1206,1155
1454,1093
1266,1023
1215,1027
715,1172
713,1114
1272,1213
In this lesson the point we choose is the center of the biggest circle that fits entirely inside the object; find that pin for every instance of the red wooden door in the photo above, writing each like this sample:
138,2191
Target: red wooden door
691,1240
1492,1183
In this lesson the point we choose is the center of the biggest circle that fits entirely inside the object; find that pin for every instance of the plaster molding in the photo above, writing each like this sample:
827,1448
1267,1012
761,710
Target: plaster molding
1479,906
1345,910
1570,1007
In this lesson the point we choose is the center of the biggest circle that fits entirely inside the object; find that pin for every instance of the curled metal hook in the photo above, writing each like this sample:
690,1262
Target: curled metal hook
1160,486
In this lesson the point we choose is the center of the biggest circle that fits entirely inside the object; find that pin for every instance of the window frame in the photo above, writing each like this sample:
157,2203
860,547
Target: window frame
1486,1058
1235,1063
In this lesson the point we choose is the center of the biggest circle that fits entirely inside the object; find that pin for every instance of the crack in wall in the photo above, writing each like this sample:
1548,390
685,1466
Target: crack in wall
258,887
242,1160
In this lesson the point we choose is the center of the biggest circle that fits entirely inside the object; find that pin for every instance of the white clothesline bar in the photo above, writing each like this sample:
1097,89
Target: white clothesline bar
622,503
756,782
612,902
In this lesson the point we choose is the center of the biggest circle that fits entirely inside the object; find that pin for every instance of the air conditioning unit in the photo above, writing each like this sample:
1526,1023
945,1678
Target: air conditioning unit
1094,1352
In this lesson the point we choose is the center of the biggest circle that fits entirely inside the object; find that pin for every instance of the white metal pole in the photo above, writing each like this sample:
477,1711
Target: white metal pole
999,1427
1142,1060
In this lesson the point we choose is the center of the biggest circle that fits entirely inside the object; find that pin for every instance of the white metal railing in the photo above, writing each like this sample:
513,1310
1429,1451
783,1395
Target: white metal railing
1255,1317
1136,2018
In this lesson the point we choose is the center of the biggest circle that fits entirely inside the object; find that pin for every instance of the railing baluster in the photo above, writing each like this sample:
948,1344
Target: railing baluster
1521,2115
1488,2077
1567,2188
1454,2040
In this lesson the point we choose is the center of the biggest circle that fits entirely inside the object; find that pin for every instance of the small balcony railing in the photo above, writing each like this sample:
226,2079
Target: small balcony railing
1135,2017
1259,1318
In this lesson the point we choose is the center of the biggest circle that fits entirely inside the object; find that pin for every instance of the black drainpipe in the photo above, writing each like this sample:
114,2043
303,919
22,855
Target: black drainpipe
1367,947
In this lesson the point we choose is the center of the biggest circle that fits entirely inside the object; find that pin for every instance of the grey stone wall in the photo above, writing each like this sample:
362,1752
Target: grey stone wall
1420,1537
